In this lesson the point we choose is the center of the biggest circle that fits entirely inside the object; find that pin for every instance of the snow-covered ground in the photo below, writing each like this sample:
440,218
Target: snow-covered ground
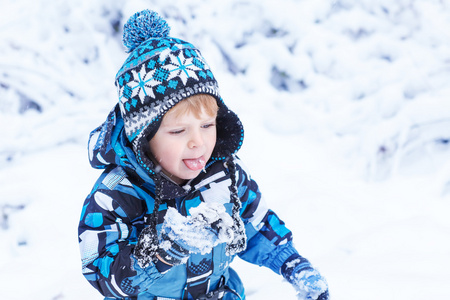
346,106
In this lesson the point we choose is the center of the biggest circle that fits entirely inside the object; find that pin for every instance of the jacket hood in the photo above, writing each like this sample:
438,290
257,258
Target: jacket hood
106,146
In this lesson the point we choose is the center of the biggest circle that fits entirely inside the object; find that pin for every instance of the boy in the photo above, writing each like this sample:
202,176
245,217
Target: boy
174,206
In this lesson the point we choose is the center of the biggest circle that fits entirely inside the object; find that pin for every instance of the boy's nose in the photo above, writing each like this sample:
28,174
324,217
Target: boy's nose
195,140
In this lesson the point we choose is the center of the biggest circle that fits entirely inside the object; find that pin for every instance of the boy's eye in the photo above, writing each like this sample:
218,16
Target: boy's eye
176,131
209,125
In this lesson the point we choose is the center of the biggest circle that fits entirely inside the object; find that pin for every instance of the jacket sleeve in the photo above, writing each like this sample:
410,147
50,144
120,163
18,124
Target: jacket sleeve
111,219
269,241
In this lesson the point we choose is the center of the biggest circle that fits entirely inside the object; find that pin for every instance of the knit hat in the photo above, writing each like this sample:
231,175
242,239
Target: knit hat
160,72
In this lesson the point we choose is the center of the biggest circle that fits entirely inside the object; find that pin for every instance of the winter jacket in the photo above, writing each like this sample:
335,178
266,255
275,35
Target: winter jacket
121,203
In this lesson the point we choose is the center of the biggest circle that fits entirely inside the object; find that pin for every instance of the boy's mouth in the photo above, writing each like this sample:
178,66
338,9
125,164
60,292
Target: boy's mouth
195,164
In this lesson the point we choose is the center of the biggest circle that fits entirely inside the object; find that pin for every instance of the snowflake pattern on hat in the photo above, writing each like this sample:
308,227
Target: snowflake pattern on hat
167,72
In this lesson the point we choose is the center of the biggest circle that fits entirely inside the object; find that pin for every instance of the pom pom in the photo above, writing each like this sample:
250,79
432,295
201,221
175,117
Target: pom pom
143,26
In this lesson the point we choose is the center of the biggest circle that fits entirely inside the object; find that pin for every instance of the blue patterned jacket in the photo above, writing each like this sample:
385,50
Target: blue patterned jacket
121,201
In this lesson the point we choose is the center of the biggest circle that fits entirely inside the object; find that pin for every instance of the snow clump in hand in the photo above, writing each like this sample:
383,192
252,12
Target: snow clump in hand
216,216
208,225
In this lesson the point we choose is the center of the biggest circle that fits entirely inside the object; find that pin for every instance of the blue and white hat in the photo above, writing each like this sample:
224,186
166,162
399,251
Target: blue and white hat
160,72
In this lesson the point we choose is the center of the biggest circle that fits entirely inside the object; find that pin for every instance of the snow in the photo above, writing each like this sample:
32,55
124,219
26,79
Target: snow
196,232
346,112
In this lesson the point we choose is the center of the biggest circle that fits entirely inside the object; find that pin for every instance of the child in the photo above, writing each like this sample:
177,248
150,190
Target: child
174,205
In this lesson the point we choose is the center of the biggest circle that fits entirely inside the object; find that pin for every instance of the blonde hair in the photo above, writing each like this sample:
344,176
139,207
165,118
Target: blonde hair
195,105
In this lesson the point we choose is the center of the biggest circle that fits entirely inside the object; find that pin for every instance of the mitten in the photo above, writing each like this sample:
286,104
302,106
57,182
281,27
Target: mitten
146,247
206,227
307,281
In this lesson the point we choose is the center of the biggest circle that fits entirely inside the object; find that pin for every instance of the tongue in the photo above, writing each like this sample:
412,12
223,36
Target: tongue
195,164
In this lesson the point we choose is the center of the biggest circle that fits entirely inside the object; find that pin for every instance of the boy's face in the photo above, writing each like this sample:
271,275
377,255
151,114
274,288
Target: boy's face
183,144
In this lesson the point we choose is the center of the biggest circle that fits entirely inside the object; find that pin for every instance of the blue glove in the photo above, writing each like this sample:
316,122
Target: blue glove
307,281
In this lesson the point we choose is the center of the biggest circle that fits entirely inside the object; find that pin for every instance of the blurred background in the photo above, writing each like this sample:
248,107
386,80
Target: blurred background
346,109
